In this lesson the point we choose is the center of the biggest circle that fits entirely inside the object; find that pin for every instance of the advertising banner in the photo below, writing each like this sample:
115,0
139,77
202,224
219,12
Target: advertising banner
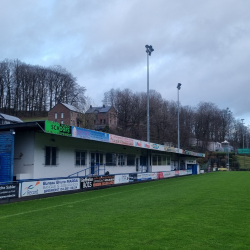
168,174
159,175
189,171
169,149
9,191
154,146
87,182
57,128
49,186
182,172
89,134
132,177
103,180
121,178
138,143
146,176
121,140
176,172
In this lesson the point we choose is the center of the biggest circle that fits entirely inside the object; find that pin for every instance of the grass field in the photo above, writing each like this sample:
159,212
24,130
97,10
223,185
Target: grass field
210,211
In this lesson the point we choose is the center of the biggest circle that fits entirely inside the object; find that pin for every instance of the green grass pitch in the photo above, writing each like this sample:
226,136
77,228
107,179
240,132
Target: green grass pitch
210,211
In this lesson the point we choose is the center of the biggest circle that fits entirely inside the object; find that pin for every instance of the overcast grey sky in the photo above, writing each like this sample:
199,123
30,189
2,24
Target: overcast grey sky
205,45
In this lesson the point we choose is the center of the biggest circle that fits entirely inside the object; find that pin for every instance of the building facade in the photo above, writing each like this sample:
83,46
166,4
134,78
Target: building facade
98,118
47,149
65,114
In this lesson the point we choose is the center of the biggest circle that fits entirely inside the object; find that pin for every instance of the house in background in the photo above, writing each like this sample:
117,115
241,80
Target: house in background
98,118
8,119
65,114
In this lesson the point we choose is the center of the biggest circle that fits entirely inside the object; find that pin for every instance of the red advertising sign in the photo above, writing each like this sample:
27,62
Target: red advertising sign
121,140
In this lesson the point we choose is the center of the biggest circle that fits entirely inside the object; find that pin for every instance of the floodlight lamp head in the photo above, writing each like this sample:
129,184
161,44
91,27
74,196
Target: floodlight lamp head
179,86
146,46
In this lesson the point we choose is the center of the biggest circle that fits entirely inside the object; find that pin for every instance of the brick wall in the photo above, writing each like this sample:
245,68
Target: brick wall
68,115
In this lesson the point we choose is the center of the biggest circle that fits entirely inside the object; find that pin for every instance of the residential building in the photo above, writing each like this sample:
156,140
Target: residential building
65,114
100,117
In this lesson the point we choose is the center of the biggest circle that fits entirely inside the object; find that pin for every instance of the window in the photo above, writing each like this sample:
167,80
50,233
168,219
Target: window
101,121
61,122
130,160
71,113
155,160
50,156
121,160
104,121
94,121
62,115
71,122
80,158
110,159
55,115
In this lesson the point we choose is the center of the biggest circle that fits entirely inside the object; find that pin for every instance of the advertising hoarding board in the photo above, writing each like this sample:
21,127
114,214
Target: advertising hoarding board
121,178
87,182
57,128
89,134
103,180
49,186
9,191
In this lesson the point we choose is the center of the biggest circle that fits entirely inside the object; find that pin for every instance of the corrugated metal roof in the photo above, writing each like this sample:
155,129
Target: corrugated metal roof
10,118
99,109
70,107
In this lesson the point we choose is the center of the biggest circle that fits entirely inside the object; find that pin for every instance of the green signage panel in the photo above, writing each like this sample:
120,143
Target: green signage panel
244,151
57,128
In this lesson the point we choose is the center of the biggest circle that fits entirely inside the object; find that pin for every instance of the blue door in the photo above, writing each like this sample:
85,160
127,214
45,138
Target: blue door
6,156
194,169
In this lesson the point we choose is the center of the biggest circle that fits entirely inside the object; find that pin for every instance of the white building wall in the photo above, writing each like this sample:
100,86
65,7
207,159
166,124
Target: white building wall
66,156
24,155
161,168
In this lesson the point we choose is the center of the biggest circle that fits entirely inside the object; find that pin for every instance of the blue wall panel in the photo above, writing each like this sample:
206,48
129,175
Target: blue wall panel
6,156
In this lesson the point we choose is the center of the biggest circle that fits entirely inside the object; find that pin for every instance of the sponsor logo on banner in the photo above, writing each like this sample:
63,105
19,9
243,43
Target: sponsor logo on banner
57,128
31,189
9,191
121,178
176,172
103,181
154,146
137,143
121,140
167,174
159,175
49,186
146,145
132,177
87,182
89,134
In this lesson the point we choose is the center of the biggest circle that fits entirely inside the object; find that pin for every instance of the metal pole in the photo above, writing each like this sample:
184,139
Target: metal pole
148,135
178,132
243,138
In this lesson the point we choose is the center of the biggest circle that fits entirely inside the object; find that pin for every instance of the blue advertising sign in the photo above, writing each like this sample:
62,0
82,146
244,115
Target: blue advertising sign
89,134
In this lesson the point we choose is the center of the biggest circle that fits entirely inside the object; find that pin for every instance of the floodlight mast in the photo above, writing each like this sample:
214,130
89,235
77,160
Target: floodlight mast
149,50
178,132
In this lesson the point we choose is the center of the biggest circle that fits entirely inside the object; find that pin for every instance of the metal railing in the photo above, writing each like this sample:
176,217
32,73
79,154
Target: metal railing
92,172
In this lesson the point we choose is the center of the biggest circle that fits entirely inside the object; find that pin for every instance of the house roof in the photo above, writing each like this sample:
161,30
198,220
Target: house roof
10,118
70,107
103,109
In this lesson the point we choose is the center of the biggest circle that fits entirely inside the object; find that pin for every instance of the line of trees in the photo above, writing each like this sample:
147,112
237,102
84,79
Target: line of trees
30,89
205,123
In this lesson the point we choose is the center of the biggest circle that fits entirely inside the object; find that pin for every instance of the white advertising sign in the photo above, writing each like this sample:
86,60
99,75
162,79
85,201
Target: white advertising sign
121,178
49,186
168,174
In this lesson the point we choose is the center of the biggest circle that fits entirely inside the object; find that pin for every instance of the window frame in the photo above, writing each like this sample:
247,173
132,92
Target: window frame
51,156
